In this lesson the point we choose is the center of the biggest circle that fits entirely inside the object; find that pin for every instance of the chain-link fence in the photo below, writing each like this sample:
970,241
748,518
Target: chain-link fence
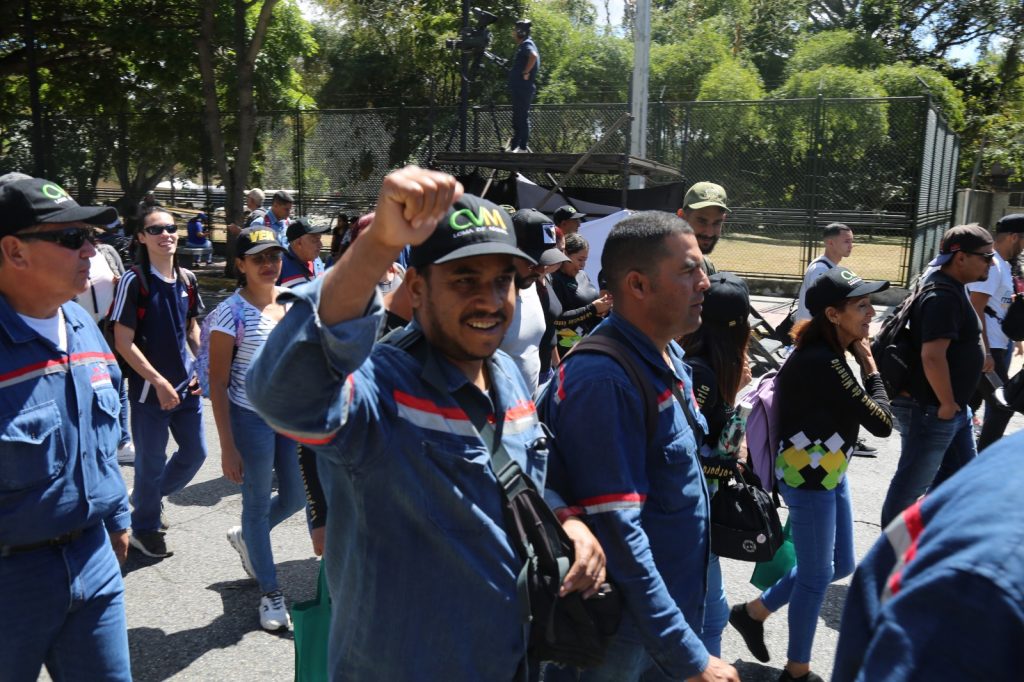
886,167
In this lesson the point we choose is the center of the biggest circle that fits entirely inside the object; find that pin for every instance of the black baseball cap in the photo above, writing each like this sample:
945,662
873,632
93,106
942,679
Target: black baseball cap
535,234
283,197
1014,222
31,201
253,240
836,285
967,238
568,212
727,300
299,227
471,227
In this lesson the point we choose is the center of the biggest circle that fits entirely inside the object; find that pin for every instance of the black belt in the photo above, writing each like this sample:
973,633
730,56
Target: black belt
59,541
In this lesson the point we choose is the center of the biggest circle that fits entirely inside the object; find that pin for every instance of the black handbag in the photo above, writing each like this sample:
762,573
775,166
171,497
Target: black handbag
744,520
1013,392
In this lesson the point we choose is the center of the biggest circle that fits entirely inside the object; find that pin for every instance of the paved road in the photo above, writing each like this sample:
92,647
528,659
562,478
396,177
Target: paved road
193,616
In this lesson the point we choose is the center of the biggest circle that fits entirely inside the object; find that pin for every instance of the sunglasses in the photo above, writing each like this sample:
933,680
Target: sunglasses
987,256
263,257
72,238
159,229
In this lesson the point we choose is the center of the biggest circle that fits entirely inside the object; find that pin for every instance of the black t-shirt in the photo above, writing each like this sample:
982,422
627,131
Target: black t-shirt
709,398
552,310
948,314
578,317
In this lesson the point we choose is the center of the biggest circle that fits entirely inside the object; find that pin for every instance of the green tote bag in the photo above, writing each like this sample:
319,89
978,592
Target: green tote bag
767,573
311,621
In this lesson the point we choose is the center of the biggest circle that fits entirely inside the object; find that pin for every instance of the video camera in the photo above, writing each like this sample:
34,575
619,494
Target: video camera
474,38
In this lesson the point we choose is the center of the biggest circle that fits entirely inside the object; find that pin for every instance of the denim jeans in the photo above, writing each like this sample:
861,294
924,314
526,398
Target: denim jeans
522,97
156,476
264,452
996,416
822,525
65,609
122,419
623,662
933,449
716,608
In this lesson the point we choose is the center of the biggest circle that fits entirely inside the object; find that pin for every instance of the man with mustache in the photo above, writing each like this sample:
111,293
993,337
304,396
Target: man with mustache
415,523
704,208
63,506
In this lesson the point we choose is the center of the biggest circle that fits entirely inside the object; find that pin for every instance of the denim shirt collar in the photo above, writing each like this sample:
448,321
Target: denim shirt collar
646,348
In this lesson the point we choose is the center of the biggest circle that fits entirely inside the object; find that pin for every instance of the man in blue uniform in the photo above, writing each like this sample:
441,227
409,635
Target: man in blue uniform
645,499
302,262
415,526
941,594
63,505
522,84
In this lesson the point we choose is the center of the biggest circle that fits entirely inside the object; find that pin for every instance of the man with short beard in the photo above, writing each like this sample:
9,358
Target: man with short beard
705,209
415,523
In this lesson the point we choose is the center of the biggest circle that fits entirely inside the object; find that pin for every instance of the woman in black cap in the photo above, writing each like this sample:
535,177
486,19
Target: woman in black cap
821,409
717,354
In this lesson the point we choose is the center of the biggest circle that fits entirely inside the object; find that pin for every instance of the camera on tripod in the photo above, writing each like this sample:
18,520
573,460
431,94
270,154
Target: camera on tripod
474,38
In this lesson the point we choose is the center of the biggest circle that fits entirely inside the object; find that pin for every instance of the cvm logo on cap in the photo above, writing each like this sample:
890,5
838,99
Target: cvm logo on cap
465,218
851,277
54,192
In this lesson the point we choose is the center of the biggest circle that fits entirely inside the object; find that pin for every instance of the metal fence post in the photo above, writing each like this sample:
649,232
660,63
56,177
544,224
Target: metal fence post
817,150
297,161
686,141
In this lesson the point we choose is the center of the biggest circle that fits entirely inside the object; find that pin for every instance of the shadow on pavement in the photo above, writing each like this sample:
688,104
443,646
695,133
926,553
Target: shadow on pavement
832,608
756,672
157,655
206,493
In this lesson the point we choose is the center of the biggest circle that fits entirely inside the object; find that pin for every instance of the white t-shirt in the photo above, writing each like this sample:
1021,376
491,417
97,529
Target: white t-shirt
52,328
522,340
999,287
97,298
257,328
818,267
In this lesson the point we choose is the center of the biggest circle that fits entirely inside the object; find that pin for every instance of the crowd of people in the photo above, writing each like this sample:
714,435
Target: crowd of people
376,389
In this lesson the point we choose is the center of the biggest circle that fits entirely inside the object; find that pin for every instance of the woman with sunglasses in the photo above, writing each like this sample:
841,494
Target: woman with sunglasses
155,331
251,453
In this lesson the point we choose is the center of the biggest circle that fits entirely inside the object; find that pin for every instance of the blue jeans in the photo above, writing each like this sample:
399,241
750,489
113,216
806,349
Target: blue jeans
822,526
156,477
716,608
122,418
996,416
933,449
263,452
65,609
623,662
522,97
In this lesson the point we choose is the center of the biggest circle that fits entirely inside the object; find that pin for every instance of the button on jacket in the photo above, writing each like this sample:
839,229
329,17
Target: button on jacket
58,431
418,560
647,502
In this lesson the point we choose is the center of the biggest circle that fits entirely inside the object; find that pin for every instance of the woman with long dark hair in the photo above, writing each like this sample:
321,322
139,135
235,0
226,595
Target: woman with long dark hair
717,354
583,306
821,410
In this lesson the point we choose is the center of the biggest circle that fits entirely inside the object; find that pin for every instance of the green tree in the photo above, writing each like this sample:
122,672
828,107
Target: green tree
838,47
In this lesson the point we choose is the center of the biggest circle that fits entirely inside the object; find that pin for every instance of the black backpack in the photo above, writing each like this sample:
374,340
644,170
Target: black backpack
894,349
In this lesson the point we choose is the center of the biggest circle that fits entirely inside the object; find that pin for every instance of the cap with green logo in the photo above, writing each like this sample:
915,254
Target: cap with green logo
836,285
472,227
705,194
25,203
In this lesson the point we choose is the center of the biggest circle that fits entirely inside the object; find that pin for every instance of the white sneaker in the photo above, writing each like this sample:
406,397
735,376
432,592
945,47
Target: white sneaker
238,542
126,453
273,614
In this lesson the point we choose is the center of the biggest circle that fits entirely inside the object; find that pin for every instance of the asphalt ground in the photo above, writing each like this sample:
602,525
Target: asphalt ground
193,616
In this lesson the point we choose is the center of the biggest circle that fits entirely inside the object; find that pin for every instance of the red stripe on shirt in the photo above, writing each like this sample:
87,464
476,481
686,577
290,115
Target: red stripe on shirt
524,408
915,527
74,358
429,406
605,499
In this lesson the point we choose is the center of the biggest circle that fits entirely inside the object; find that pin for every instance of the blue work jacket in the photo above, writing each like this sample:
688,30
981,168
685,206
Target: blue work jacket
58,431
941,594
420,568
647,502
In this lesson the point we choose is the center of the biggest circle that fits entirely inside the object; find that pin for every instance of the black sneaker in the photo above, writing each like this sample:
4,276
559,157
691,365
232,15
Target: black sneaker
151,544
811,676
751,630
862,449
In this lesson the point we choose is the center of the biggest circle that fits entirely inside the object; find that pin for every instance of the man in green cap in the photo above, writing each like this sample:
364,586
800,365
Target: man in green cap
705,209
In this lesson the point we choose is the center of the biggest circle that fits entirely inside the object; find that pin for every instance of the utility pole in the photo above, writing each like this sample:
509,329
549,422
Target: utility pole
38,153
641,72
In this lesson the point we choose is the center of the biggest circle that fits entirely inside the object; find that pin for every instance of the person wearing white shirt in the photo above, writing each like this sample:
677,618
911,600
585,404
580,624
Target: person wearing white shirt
838,245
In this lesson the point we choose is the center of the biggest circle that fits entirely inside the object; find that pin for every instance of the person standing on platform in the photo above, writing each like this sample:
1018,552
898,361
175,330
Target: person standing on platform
522,84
